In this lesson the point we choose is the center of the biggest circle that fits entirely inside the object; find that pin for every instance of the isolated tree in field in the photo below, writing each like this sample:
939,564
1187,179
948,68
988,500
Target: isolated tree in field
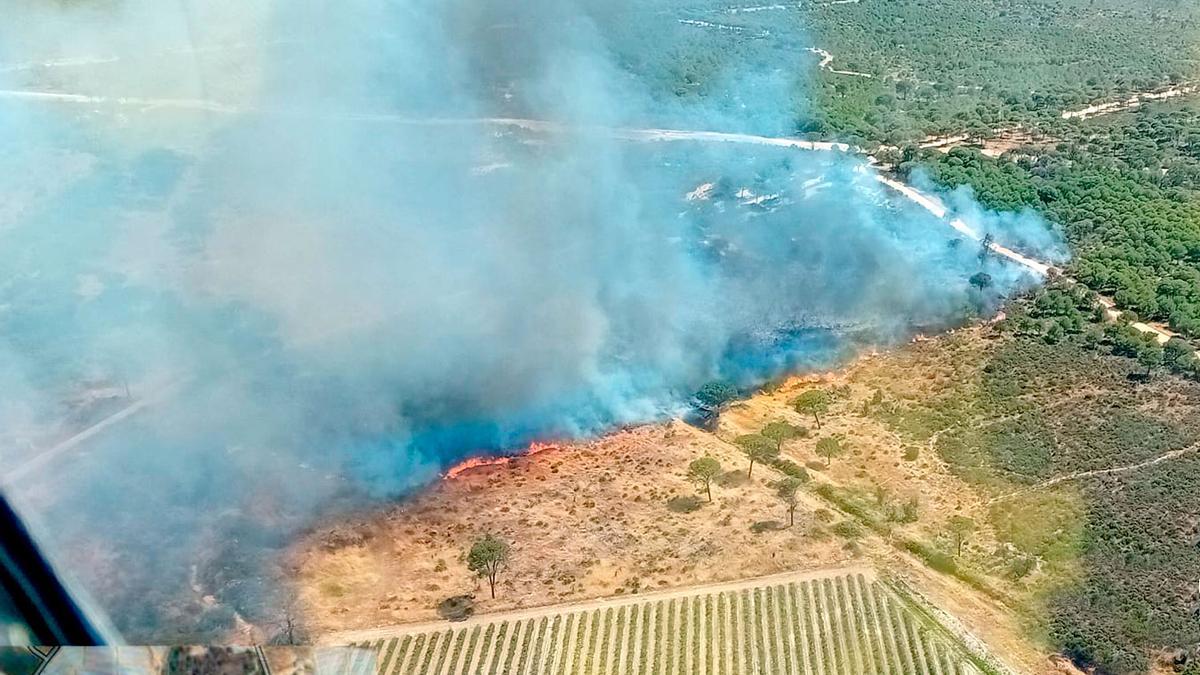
960,527
703,471
813,402
980,280
779,432
288,630
830,447
758,448
786,491
487,557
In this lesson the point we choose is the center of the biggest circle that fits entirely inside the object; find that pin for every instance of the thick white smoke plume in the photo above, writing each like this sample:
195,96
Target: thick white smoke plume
273,258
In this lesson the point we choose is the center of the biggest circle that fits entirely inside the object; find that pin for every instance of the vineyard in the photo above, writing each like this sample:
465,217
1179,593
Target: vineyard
835,624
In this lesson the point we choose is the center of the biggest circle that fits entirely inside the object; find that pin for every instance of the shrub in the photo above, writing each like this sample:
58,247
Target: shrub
907,512
456,607
853,506
684,504
732,478
848,529
938,560
1020,566
789,468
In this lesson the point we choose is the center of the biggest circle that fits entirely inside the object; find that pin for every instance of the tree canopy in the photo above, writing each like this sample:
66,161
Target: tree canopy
780,431
758,448
830,447
703,471
786,489
813,402
714,395
487,557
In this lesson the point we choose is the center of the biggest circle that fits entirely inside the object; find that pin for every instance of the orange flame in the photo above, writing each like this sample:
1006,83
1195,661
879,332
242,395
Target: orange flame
476,462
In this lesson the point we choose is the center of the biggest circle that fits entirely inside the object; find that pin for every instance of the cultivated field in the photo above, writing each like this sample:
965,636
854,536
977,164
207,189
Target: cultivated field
841,623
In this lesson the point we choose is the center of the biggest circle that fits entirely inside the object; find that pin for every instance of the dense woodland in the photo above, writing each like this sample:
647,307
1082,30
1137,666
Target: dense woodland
1123,191
947,66
1125,197
935,66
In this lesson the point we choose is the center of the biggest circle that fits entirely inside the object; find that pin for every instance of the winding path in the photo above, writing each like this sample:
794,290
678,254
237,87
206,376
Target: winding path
827,59
1165,457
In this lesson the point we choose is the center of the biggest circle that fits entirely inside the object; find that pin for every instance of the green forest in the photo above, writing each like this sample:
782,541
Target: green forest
946,66
1126,200
934,66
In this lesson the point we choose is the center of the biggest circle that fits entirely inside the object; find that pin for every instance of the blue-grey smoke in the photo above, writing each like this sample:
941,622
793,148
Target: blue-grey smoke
281,233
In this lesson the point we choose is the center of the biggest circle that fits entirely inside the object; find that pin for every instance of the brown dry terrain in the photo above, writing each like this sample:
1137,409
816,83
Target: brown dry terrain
593,519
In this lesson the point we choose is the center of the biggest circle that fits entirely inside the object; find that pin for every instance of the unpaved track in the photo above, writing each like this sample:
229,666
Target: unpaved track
827,59
930,203
1165,457
400,630
41,458
1134,101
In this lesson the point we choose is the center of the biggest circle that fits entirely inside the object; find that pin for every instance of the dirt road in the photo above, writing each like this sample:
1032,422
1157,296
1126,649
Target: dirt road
385,632
827,59
1165,457
41,458
1129,103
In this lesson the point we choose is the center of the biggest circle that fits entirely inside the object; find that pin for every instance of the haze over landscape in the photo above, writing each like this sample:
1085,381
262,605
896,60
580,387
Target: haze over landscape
269,266
379,299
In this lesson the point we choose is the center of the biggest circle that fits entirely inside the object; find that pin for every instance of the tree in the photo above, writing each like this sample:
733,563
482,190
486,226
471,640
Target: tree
829,447
1126,340
488,556
779,432
702,471
960,527
1054,333
288,630
786,489
813,402
980,280
1150,357
1178,355
985,246
758,448
714,395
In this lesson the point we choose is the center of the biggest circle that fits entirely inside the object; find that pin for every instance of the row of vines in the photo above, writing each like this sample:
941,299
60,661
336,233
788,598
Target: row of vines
842,625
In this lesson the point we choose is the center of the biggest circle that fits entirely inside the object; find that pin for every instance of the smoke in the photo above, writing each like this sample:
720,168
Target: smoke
284,235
